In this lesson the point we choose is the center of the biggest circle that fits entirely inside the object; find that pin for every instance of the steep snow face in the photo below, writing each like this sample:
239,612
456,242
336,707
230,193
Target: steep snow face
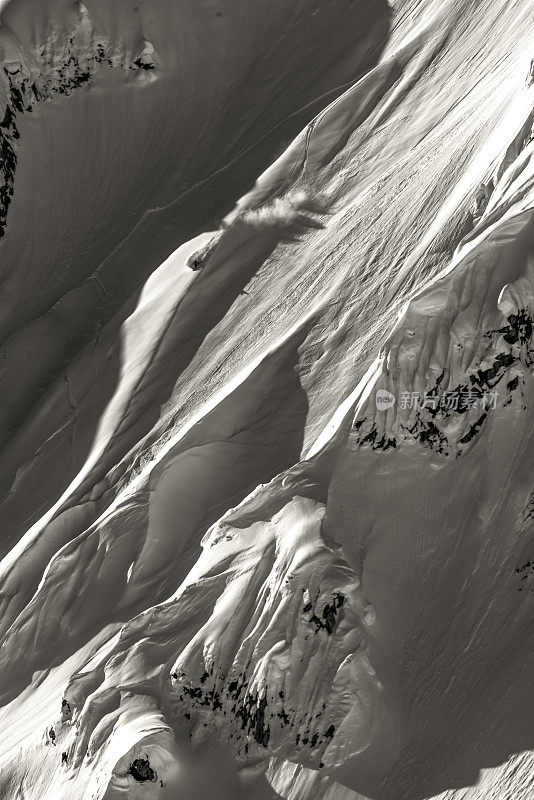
89,89
274,523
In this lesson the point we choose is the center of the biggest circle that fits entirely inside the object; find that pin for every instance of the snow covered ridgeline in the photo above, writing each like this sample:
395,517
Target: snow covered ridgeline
464,346
63,63
274,671
270,668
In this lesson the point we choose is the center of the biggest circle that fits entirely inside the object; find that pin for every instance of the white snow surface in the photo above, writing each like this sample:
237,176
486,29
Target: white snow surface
226,225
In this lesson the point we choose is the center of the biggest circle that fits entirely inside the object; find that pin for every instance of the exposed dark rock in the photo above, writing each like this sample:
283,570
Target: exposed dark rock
141,770
526,572
430,420
328,619
62,79
473,430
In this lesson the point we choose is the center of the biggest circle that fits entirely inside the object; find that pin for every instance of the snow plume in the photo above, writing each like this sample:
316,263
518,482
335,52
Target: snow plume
291,215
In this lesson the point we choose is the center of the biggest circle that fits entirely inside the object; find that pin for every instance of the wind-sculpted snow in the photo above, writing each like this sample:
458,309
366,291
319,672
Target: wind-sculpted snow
267,498
293,634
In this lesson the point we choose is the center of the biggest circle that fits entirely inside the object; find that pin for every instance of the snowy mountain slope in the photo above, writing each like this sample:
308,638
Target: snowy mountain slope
89,90
245,567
